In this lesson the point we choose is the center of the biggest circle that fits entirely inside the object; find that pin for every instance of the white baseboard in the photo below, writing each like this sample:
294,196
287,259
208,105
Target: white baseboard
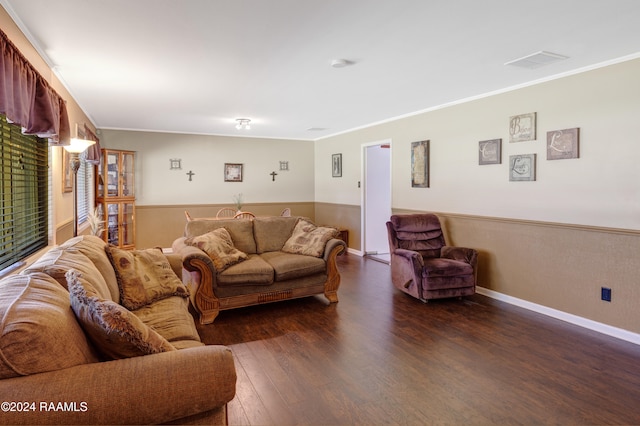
618,333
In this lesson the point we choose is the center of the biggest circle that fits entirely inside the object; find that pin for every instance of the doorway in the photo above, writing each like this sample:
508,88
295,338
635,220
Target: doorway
376,199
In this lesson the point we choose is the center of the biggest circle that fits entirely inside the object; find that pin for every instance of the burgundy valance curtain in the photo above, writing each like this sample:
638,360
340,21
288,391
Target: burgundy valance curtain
28,100
93,152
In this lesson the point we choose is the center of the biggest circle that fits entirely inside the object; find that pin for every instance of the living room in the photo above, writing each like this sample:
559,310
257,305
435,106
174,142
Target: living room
549,245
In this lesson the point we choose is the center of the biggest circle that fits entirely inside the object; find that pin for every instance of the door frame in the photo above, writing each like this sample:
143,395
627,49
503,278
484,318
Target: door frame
363,186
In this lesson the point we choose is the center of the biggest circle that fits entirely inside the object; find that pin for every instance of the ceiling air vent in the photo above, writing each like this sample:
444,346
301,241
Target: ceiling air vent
537,59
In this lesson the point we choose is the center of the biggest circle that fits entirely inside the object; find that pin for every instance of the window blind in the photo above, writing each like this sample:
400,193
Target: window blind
24,200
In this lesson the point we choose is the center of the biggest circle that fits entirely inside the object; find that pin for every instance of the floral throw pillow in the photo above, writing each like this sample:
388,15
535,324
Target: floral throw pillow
308,239
144,276
219,247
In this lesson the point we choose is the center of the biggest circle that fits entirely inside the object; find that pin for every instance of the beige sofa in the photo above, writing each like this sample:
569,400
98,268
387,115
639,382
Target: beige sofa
70,353
284,258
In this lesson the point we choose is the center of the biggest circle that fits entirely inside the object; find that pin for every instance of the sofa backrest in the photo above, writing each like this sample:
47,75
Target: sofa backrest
271,232
241,231
85,253
38,330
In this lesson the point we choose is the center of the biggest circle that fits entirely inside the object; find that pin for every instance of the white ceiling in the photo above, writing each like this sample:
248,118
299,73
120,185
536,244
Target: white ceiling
194,66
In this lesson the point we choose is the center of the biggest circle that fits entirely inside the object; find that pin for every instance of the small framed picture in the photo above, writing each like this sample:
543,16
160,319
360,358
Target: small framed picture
336,165
232,172
420,164
563,144
522,127
522,167
490,152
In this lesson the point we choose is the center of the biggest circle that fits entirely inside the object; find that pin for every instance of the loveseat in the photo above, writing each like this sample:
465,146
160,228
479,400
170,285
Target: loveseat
72,353
232,263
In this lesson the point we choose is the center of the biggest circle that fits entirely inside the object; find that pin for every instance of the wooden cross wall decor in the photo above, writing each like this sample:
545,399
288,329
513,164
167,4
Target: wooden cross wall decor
190,175
273,176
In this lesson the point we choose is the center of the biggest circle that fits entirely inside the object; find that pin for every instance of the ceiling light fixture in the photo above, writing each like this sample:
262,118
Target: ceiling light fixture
243,123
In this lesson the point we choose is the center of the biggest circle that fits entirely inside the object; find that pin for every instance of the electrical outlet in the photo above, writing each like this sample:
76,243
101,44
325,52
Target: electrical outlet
605,294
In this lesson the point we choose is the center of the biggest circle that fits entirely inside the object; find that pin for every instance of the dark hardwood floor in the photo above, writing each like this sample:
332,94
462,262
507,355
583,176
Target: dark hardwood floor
380,357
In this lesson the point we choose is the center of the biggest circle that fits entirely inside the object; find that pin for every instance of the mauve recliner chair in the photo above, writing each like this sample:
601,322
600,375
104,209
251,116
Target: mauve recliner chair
422,265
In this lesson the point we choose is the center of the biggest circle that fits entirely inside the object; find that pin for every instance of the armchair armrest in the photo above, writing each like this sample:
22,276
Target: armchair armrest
463,254
413,257
199,275
148,389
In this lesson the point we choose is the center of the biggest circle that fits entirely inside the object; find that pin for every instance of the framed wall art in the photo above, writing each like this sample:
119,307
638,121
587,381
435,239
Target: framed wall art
522,167
522,127
563,144
420,164
336,165
490,152
67,174
232,172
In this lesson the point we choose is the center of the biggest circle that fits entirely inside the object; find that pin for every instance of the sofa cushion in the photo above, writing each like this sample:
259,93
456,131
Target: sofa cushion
116,332
254,270
38,330
241,231
171,319
219,247
288,266
308,239
144,276
271,232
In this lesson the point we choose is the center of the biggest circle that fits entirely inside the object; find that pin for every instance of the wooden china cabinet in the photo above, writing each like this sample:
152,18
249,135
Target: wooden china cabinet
115,196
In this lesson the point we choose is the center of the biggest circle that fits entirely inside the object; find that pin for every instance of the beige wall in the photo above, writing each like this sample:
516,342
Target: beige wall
553,242
159,226
62,208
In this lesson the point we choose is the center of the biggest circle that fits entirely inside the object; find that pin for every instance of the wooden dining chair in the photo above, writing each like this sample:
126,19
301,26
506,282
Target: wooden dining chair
226,212
244,215
286,212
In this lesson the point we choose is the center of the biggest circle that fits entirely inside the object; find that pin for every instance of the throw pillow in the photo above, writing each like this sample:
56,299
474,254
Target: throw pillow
219,247
309,239
116,332
144,276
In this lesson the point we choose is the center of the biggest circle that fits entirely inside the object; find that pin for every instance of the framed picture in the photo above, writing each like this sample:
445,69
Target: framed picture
522,127
490,152
232,172
563,144
336,165
420,164
522,167
67,174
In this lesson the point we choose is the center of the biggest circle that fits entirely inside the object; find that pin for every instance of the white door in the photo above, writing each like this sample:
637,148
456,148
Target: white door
376,196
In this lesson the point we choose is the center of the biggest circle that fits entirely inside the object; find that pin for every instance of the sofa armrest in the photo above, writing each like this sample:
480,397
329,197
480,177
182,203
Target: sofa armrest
148,389
199,275
332,245
463,254
331,251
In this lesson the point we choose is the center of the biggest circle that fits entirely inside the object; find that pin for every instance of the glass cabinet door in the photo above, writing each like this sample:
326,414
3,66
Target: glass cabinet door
127,227
113,174
113,223
127,174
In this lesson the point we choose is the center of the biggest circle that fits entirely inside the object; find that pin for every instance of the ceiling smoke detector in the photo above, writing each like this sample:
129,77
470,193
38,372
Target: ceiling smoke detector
339,63
536,60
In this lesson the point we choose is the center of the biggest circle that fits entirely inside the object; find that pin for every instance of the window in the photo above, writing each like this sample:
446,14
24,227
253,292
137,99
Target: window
85,188
24,197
